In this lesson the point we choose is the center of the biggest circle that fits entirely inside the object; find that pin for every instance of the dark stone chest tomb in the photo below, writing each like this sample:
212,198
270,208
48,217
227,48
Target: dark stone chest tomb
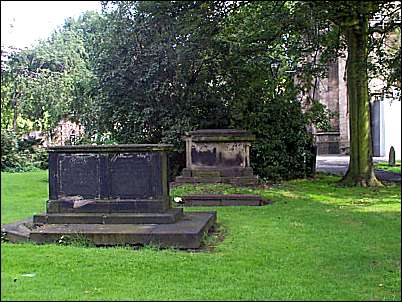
112,194
108,179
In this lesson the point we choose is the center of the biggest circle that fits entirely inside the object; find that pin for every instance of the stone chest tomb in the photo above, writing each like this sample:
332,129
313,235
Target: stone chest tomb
112,194
218,155
108,179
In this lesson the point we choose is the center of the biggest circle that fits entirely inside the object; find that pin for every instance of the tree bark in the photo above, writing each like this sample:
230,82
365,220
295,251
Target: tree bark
15,113
360,171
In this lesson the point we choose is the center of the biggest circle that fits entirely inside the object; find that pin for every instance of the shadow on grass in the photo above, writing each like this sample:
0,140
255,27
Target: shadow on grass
323,188
326,189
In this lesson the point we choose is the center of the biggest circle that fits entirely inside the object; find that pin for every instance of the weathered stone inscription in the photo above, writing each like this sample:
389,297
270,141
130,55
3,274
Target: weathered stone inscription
218,154
109,172
131,176
79,175
203,154
232,154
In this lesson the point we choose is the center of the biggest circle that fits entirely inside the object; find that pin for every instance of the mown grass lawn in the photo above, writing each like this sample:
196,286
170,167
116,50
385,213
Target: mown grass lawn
384,166
316,242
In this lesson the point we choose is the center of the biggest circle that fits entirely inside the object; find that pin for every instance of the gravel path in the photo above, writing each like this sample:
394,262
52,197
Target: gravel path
338,164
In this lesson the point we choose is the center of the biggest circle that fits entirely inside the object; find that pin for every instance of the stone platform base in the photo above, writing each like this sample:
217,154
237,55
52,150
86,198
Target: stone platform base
238,181
186,233
224,200
235,175
170,216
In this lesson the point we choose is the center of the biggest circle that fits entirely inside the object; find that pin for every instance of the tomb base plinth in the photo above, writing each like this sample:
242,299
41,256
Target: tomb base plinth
170,216
185,233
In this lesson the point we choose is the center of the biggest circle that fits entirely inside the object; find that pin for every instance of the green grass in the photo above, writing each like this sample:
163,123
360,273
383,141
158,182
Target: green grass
385,167
316,242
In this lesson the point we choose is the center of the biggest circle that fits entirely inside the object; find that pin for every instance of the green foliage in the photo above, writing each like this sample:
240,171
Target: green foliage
154,80
97,139
273,107
169,67
49,81
77,240
19,155
10,158
39,158
282,139
364,38
148,71
319,115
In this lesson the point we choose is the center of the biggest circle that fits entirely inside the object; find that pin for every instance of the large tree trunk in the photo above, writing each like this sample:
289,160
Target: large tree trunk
360,171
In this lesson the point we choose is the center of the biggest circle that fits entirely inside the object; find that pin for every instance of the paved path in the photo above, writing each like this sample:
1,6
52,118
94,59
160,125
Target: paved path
338,164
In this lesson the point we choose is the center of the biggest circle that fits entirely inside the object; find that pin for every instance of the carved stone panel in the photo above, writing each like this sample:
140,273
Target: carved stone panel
108,172
203,154
232,154
132,176
79,175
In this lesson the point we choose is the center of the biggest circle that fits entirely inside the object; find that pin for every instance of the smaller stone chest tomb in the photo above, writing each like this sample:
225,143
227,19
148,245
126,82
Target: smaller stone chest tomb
218,155
112,194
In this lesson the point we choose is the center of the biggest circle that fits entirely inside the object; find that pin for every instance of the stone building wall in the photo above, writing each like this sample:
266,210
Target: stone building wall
331,92
385,115
344,144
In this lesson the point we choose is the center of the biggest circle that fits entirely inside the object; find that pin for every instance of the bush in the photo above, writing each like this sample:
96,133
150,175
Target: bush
177,161
39,158
11,158
282,149
21,155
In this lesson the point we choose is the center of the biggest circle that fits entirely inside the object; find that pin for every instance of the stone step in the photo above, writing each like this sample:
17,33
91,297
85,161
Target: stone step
170,216
107,206
205,173
186,233
183,179
218,172
18,231
241,181
224,200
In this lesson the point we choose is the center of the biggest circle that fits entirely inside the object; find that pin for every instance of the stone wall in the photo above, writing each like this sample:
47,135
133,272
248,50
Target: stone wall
344,144
66,133
330,91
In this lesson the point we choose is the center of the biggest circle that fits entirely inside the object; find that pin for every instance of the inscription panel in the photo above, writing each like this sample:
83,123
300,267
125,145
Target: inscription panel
79,175
132,176
232,154
218,154
203,154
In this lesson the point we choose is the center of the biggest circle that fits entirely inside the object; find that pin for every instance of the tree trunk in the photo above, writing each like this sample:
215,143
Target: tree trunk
360,171
15,113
